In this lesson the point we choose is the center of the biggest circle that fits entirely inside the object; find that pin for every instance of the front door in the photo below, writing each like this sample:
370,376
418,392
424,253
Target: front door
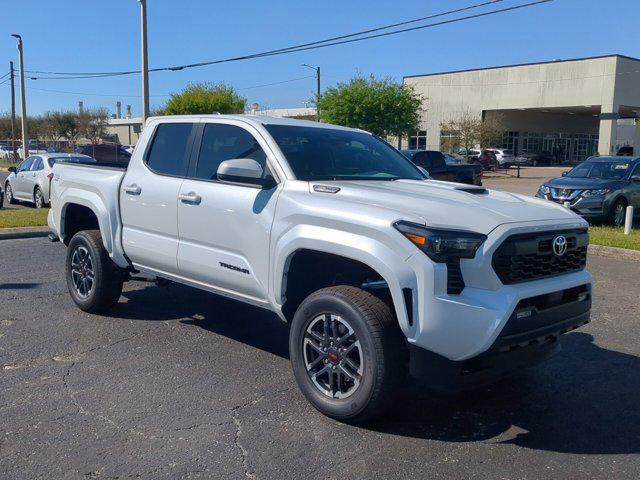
19,185
149,197
225,227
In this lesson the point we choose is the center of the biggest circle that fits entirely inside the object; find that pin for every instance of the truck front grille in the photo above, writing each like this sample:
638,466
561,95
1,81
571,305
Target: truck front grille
526,257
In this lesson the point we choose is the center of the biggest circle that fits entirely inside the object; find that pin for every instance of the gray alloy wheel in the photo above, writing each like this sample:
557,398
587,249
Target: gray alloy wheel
619,213
9,194
38,198
82,273
333,356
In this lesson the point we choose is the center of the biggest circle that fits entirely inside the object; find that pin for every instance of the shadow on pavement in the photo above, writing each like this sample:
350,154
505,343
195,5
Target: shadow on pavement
583,401
256,327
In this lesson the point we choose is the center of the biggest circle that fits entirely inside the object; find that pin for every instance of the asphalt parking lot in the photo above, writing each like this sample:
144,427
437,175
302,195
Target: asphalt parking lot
176,383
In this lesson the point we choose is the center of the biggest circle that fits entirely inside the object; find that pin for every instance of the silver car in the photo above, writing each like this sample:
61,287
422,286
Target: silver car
30,181
504,156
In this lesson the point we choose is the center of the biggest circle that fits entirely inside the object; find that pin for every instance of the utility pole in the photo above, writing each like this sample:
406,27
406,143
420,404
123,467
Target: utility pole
145,60
317,69
13,114
23,115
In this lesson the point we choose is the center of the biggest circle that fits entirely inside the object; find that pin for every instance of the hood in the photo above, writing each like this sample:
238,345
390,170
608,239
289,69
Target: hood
582,183
447,205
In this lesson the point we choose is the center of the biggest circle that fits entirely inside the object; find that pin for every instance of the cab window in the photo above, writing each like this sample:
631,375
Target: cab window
169,151
222,142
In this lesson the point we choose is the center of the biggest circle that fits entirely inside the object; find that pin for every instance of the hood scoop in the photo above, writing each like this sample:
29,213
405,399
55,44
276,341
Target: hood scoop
473,190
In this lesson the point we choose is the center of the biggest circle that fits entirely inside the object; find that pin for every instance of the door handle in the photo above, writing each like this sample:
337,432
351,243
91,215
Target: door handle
132,189
190,197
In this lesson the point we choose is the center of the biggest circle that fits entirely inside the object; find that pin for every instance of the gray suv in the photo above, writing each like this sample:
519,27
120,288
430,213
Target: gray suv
599,189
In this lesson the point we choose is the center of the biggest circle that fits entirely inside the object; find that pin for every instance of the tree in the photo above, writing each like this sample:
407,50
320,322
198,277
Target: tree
382,107
63,125
468,131
205,98
93,124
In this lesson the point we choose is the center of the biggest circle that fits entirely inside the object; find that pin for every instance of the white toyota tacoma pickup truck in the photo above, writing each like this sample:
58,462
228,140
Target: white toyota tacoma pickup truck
379,270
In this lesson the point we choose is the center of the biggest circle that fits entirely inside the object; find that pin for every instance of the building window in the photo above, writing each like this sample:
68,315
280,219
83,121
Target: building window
510,141
418,141
449,141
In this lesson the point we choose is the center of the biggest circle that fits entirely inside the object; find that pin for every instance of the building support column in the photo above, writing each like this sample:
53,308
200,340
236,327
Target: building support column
608,129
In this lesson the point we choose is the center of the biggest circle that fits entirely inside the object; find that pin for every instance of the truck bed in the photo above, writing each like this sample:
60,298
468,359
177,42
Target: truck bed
93,186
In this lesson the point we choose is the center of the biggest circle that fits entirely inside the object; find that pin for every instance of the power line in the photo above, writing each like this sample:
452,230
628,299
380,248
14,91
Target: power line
317,42
87,94
313,45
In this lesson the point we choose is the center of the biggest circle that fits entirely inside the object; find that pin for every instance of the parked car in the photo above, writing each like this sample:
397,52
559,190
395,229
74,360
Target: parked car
377,269
128,149
6,152
626,151
1,196
31,180
504,157
486,159
454,159
435,163
534,159
108,153
599,189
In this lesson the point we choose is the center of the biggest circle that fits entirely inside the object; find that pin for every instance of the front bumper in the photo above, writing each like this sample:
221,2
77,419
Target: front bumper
464,326
530,336
591,208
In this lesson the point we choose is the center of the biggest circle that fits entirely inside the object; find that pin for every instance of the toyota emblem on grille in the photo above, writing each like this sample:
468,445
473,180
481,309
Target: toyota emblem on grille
560,245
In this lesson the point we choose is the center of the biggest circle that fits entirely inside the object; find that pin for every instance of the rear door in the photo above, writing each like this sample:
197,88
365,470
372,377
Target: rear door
31,179
149,197
225,227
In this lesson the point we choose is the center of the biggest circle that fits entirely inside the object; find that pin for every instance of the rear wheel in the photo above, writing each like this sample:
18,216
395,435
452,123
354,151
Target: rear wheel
618,212
347,352
38,198
9,194
93,280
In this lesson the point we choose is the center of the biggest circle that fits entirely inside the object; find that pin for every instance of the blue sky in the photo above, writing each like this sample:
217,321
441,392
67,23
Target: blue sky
103,35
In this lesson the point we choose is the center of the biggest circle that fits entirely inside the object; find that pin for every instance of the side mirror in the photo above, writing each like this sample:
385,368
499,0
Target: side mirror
564,174
244,170
635,178
12,169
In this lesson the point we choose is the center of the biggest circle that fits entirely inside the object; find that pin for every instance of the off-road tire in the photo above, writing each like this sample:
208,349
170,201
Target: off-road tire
383,347
107,276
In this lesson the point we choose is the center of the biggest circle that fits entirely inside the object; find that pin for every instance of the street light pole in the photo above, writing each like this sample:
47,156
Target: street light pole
145,60
23,116
13,114
317,69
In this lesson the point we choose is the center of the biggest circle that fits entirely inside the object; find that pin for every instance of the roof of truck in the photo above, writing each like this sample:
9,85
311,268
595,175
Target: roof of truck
259,120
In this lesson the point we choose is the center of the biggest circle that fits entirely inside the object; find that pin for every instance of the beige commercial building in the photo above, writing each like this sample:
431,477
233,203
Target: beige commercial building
570,108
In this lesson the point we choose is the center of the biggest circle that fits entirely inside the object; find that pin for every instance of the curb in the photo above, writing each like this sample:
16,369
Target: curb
615,252
23,232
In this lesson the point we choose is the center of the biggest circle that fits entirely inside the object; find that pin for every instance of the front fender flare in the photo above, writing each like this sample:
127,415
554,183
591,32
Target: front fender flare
388,263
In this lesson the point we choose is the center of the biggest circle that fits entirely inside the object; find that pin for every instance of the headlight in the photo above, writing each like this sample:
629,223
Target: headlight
441,245
544,190
595,193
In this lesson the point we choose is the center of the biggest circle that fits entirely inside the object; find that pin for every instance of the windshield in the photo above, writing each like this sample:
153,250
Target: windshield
330,154
608,170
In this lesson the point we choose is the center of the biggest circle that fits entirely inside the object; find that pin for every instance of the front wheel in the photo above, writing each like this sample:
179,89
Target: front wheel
619,212
93,280
348,354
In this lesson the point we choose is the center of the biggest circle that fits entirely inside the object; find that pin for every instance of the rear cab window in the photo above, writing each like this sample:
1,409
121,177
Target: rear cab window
168,153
